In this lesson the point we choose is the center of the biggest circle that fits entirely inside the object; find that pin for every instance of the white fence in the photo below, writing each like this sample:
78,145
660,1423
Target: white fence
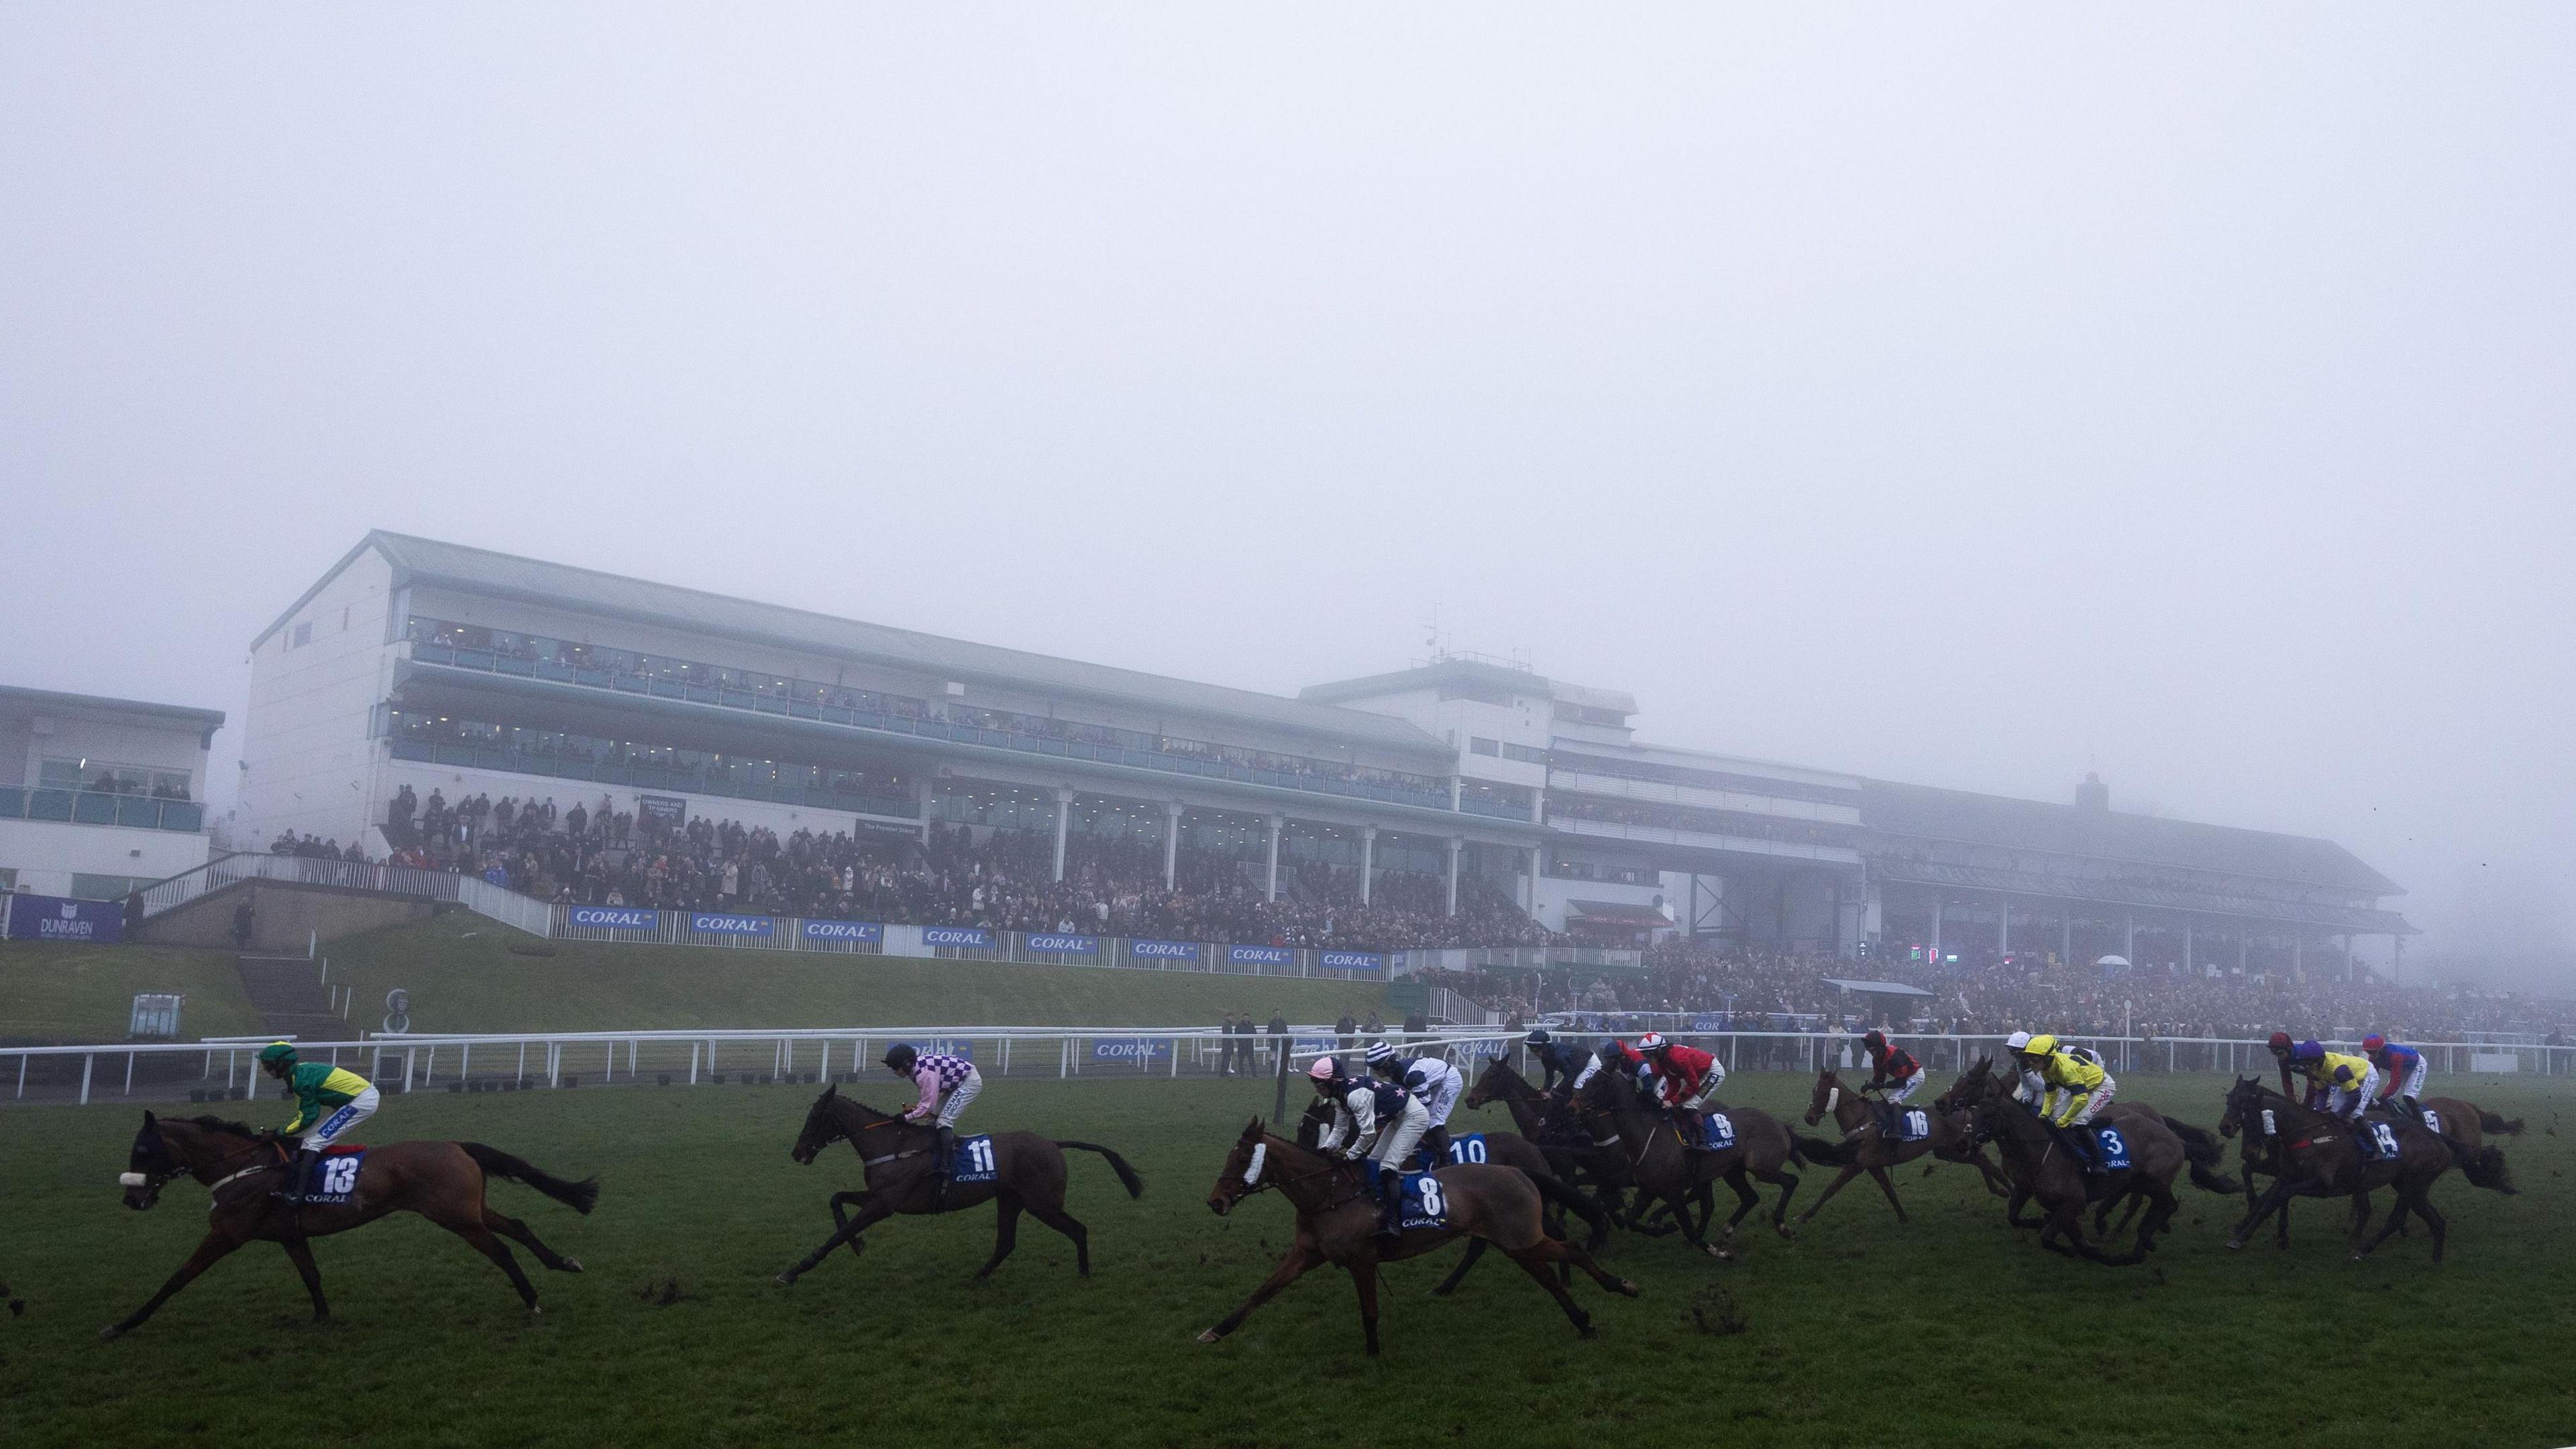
524,1061
475,894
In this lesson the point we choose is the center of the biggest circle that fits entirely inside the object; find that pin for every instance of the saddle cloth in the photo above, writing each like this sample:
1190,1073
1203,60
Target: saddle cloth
1420,1203
1913,1125
335,1175
1719,1133
1467,1149
974,1161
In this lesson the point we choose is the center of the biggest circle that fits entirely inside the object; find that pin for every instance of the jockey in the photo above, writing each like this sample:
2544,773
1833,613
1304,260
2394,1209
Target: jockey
2028,1089
948,1084
2282,1049
1434,1083
1615,1053
1894,1074
2339,1084
2078,1090
2401,1072
329,1101
1686,1078
1556,1061
1373,1122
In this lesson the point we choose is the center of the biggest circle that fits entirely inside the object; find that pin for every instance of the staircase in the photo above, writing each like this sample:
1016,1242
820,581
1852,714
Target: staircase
287,990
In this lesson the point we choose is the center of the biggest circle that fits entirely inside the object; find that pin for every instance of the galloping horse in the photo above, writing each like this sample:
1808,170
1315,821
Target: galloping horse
2201,1151
1666,1168
1028,1173
441,1181
1570,1149
1337,1223
1865,1149
2041,1165
2319,1159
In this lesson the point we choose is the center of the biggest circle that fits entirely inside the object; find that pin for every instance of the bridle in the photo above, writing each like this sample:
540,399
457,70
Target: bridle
1255,1179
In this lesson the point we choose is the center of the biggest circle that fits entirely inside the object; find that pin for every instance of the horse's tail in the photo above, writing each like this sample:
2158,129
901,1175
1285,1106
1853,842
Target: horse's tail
1555,1191
1816,1151
2491,1122
2203,1152
2485,1168
1127,1177
580,1196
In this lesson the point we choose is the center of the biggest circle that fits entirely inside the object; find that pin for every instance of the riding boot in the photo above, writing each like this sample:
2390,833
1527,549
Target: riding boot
943,1164
1694,1130
1888,1127
1390,1203
299,1177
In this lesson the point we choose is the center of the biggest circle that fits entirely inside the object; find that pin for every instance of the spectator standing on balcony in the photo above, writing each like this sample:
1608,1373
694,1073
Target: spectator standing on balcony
1345,1029
133,908
1278,1036
1416,1024
242,923
576,818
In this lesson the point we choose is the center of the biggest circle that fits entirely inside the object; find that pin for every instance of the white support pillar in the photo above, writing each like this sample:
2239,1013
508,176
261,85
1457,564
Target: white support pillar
1456,846
2396,955
1529,884
1171,842
1270,891
2129,938
1936,925
2244,942
2066,934
1063,822
2003,925
2298,958
1368,859
2189,966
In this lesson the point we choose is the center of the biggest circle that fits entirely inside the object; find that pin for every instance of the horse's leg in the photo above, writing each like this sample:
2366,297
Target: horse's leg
209,1250
1363,1271
2439,1225
2361,1219
1746,1199
482,1241
1879,1176
1065,1223
1569,1253
1006,1231
841,1203
2275,1197
1301,1260
1788,1184
2014,1202
300,1254
1849,1172
869,1215
1534,1261
518,1232
1466,1260
2387,1230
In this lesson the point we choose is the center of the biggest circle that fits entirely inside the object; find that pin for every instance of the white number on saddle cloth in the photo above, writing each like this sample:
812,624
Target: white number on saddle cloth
2433,1121
2270,1127
2385,1137
340,1175
1720,1133
1432,1203
980,1154
1918,1125
1470,1148
2115,1148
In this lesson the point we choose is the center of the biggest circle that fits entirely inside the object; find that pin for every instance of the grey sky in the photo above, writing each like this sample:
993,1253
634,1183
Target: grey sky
1965,396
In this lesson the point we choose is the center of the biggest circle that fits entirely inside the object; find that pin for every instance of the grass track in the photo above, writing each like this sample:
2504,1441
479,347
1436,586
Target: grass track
1949,1331
52,991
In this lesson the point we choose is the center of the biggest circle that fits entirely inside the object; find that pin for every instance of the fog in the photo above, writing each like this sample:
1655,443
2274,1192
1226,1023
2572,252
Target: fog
1971,397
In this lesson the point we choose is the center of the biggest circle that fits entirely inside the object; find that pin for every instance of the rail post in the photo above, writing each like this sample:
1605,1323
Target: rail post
88,1059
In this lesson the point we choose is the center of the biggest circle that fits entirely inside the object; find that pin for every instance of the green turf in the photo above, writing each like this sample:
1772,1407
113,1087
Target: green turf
463,978
59,992
1949,1331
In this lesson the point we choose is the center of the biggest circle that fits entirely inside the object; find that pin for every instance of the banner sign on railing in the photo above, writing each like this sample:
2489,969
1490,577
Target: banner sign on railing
616,918
946,1046
60,918
1052,944
1163,950
868,931
1306,1048
971,936
1260,956
1131,1049
1370,961
714,923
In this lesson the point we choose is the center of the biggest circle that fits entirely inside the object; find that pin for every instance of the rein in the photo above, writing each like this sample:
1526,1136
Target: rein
1256,1181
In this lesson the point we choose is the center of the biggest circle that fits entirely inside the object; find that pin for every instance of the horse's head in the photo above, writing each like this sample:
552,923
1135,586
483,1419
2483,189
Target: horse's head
824,1125
150,1164
2244,1105
1310,1127
1244,1166
1969,1089
1493,1083
1826,1096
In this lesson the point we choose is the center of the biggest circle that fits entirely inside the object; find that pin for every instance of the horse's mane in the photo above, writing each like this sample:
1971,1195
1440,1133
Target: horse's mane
221,1124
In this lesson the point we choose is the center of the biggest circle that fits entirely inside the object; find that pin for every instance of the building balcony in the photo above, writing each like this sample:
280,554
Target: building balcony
646,777
98,807
1703,842
1695,797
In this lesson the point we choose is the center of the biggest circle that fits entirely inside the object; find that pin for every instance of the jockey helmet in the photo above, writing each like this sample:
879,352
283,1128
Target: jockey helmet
1610,1047
1652,1041
2040,1045
2280,1041
1874,1039
1325,1069
1538,1037
2017,1041
277,1054
2307,1051
1380,1052
900,1057
2374,1043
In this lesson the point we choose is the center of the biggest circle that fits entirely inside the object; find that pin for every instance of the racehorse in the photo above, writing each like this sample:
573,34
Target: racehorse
1665,1168
1337,1221
2201,1151
441,1181
1865,1149
2463,1127
2319,1159
2041,1164
1570,1149
1028,1173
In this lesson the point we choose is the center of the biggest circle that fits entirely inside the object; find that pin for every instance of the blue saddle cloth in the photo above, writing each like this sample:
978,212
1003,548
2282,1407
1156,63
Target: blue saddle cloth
2110,1149
974,1161
335,1176
1467,1149
1420,1203
1717,1133
2377,1141
1913,1125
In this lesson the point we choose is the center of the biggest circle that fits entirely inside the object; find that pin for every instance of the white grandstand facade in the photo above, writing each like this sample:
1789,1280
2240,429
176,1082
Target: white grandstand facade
437,667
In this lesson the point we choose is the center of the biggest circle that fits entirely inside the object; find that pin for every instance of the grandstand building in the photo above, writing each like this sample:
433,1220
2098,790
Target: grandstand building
435,667
98,796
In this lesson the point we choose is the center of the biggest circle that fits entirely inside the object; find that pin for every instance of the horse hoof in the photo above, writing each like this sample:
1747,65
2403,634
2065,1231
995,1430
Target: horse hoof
786,1280
1630,1289
1720,1254
535,1312
1586,1330
2235,1243
572,1265
110,1334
